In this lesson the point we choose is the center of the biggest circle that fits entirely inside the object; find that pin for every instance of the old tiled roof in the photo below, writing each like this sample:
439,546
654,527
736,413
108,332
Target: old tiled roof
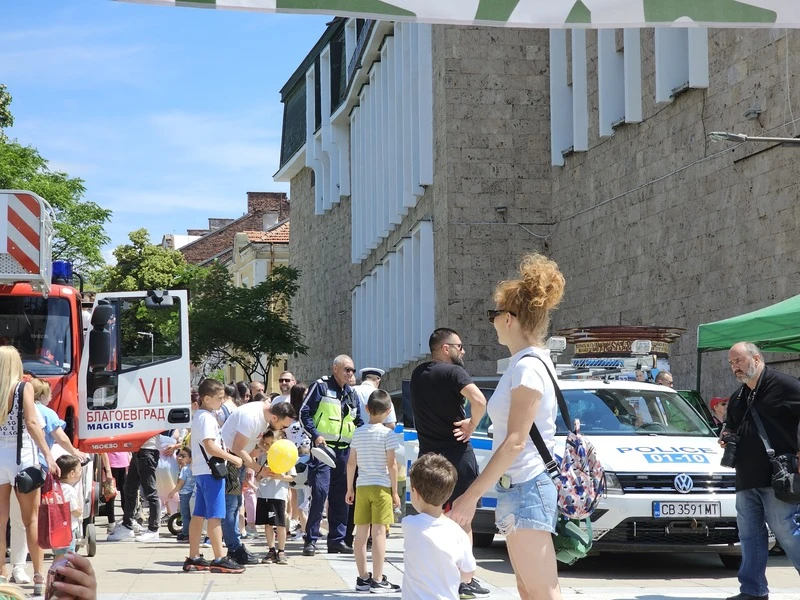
277,235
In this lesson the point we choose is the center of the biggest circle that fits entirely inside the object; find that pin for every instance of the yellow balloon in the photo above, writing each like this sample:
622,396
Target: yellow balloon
282,456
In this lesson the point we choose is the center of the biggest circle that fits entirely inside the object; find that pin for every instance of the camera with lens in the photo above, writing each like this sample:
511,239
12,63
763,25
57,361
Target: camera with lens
731,446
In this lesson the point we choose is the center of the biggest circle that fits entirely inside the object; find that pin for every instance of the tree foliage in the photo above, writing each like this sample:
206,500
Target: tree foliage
251,327
142,265
80,224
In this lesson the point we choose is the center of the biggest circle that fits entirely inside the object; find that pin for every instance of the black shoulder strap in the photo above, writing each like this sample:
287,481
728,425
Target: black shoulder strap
18,402
536,436
763,434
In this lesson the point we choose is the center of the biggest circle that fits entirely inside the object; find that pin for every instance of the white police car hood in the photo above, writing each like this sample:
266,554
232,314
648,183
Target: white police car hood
655,453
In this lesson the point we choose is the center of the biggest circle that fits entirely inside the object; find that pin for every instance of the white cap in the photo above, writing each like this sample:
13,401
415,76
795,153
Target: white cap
370,371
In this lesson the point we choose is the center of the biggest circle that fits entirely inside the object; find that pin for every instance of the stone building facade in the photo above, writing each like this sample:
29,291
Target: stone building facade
538,143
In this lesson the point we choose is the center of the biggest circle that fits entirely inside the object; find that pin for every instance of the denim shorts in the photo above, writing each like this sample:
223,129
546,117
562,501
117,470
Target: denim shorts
528,505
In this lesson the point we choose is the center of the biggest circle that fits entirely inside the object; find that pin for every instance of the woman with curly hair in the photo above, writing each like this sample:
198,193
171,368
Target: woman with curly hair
527,509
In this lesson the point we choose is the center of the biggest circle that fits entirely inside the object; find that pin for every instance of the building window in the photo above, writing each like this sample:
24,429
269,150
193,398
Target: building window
393,307
294,122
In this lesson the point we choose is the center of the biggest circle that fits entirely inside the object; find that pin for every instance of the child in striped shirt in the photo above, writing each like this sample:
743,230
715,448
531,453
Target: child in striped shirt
373,452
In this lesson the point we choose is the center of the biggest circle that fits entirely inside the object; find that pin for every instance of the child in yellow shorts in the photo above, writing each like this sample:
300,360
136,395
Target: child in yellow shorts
372,451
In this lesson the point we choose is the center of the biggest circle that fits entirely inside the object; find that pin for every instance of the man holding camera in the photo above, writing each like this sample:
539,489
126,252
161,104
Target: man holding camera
774,398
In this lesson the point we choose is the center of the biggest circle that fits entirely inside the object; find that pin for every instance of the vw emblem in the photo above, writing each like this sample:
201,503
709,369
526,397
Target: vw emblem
683,483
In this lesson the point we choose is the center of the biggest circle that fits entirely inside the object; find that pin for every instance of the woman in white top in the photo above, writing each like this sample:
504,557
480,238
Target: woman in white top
32,434
526,496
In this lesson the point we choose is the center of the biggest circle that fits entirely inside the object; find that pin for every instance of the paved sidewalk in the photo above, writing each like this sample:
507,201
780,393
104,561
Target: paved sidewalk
133,571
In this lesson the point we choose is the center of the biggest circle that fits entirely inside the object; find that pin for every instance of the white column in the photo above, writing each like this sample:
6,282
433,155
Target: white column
698,57
610,82
632,60
580,92
355,197
312,158
560,98
425,79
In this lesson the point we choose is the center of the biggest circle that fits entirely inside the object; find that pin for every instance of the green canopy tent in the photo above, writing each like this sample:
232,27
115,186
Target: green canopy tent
773,328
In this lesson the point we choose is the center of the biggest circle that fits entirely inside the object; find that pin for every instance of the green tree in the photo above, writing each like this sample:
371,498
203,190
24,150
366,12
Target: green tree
79,224
6,118
142,265
251,327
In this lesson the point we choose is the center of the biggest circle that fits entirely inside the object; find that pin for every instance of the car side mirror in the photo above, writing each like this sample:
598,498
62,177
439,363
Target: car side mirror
490,431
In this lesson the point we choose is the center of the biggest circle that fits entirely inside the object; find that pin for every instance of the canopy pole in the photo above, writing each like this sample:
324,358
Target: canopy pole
699,367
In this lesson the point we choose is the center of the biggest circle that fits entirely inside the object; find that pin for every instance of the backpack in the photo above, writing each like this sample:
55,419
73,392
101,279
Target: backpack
578,474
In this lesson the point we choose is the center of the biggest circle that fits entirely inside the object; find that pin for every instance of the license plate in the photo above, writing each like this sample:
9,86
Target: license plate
686,510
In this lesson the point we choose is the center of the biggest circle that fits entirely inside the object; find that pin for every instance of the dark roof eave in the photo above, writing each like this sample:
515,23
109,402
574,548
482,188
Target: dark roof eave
333,28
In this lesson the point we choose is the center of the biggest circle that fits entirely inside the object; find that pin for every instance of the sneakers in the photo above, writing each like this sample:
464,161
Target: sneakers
184,539
206,543
363,585
196,564
383,586
309,550
121,534
19,576
269,557
225,565
477,588
465,592
243,556
148,536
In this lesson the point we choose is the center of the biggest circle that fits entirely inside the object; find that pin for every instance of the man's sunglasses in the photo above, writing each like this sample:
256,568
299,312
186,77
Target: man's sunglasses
493,314
349,370
284,380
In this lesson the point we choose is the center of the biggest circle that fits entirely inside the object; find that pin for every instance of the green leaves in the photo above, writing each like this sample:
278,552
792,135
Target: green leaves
6,118
251,327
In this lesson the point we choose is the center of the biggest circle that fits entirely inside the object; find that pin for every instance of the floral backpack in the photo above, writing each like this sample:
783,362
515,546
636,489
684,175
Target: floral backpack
578,474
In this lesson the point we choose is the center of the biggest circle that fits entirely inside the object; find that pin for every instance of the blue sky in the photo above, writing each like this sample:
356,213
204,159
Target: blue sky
170,115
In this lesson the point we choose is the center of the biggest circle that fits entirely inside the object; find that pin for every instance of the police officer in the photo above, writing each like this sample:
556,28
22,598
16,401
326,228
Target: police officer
330,415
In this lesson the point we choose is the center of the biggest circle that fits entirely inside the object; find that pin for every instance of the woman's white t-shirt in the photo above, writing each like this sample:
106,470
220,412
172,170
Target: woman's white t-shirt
204,427
528,372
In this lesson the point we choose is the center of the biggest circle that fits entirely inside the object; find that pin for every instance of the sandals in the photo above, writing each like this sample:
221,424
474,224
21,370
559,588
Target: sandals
280,558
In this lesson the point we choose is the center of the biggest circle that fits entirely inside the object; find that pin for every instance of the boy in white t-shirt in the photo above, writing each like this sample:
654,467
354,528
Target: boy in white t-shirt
71,472
373,452
209,504
437,552
272,497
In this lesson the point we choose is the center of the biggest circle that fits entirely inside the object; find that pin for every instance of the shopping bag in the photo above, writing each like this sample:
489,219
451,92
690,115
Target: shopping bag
109,489
55,519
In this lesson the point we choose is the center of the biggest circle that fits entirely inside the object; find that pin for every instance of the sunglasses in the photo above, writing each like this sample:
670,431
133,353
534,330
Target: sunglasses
284,380
493,314
349,370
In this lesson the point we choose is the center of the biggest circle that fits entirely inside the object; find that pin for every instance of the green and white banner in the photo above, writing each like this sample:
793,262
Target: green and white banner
534,13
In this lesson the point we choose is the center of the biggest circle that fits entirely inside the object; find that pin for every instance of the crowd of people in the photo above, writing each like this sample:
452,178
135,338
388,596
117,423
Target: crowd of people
218,474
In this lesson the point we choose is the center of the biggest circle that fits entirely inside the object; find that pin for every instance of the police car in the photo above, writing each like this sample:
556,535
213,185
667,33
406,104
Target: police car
666,489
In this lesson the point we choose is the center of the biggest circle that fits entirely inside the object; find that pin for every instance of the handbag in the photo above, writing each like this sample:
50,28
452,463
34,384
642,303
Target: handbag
55,516
109,489
29,478
785,478
217,466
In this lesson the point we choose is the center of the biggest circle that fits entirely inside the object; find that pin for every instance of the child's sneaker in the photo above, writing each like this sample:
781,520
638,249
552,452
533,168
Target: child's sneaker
269,557
226,565
465,592
363,585
383,586
196,564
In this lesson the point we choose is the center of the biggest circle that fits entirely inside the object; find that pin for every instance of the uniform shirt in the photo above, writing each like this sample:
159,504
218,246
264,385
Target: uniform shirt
531,373
249,420
437,403
316,392
371,443
777,400
204,427
436,551
364,391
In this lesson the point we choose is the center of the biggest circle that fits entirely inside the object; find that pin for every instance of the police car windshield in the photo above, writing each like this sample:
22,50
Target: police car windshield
615,411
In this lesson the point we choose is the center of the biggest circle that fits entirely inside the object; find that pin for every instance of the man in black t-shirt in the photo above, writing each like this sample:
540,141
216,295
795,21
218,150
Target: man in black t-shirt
776,398
438,389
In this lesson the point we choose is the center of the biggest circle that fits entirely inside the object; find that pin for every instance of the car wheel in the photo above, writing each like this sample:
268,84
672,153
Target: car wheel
731,561
482,540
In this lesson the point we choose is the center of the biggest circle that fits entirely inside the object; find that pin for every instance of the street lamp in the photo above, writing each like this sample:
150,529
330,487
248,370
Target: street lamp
725,136
150,335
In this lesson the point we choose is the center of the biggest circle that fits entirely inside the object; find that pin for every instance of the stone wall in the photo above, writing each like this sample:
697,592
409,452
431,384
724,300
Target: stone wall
685,231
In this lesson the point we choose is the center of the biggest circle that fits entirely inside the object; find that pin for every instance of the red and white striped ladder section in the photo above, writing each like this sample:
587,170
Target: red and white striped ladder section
26,234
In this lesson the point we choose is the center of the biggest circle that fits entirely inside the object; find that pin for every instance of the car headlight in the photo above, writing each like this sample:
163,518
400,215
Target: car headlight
613,485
